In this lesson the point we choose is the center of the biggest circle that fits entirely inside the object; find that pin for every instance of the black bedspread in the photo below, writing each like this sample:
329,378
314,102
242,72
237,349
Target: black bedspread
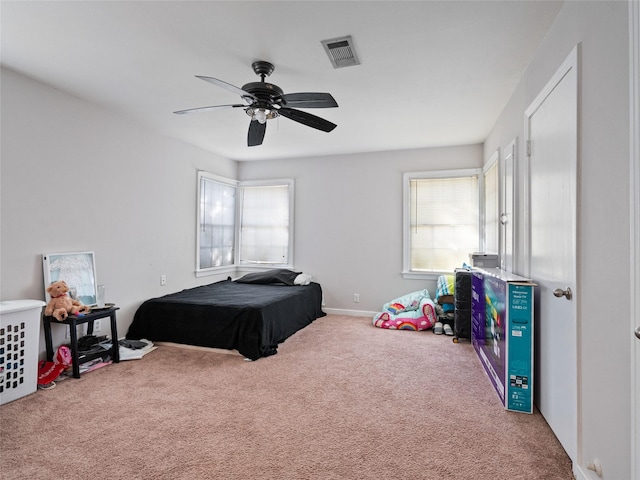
252,319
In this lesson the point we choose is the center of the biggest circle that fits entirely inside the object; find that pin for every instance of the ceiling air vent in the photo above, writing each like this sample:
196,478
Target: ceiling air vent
341,52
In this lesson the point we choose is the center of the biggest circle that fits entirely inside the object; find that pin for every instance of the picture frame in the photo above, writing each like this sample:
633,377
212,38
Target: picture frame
78,269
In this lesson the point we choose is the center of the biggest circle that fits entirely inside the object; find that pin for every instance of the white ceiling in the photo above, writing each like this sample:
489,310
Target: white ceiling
432,73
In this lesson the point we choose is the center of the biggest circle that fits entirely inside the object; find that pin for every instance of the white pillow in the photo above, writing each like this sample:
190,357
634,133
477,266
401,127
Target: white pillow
302,279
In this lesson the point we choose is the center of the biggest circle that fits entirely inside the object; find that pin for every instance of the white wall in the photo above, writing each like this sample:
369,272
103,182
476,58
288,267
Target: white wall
76,177
603,217
348,218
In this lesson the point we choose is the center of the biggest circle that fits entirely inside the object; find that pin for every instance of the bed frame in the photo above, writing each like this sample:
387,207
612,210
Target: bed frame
250,318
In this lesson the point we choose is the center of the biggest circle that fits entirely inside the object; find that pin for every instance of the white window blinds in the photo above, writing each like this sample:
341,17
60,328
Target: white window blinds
264,229
443,220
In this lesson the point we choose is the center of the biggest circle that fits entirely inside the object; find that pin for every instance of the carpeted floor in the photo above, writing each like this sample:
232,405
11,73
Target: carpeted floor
341,400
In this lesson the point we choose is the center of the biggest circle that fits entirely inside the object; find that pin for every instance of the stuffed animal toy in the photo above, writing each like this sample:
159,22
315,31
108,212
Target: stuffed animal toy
61,304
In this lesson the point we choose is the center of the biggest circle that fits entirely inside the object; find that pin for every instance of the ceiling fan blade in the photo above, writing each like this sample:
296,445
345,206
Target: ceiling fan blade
307,119
206,109
232,88
256,133
309,100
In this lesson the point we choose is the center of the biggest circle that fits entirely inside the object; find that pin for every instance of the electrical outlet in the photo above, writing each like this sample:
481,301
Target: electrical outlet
97,326
163,280
356,298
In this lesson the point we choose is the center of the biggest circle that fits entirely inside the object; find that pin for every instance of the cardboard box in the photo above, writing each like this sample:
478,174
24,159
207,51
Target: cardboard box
502,334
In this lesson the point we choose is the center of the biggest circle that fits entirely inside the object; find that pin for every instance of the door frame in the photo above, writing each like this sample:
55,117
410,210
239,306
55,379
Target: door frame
634,227
569,64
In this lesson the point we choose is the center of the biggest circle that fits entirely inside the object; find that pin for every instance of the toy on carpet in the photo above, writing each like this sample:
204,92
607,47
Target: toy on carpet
48,372
414,311
61,304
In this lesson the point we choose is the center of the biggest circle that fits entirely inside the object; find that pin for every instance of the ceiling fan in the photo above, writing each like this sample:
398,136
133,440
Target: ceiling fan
265,101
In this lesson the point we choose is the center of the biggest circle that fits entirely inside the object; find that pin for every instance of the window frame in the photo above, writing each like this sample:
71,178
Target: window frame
494,162
407,177
237,245
201,272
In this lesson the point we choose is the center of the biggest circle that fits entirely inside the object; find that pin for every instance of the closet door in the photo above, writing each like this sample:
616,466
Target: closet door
551,136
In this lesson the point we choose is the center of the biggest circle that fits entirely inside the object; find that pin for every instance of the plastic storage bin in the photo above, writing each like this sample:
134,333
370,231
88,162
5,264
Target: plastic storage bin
19,338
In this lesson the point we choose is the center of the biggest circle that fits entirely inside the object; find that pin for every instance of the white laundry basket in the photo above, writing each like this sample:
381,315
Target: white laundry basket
19,338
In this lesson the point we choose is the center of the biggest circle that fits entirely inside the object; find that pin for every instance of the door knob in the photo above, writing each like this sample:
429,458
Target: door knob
637,332
558,292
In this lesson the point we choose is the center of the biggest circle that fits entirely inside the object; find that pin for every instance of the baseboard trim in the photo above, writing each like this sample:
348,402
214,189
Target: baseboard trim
578,473
351,313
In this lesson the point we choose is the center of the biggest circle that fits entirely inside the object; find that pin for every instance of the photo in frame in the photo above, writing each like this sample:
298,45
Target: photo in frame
78,269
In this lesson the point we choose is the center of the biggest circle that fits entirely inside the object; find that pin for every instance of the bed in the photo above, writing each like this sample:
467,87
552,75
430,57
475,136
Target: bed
251,315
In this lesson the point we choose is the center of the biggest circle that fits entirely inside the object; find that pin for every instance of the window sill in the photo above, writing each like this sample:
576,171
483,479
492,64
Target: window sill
231,269
424,275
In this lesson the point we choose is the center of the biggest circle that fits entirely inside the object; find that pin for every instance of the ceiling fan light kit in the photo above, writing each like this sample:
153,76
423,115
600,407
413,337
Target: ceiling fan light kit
265,101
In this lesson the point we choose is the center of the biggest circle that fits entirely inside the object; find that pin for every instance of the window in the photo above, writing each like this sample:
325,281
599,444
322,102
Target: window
491,207
441,220
216,221
243,223
265,230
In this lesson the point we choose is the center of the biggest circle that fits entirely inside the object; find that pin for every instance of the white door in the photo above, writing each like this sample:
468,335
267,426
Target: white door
634,94
507,225
551,143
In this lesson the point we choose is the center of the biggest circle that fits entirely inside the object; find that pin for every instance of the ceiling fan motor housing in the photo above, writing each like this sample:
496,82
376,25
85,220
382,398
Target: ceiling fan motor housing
261,89
267,94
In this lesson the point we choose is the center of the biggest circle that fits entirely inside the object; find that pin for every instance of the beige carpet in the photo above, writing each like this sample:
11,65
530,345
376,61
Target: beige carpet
341,400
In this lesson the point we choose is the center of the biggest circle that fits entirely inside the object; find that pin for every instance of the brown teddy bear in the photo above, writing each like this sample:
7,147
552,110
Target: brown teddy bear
61,304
